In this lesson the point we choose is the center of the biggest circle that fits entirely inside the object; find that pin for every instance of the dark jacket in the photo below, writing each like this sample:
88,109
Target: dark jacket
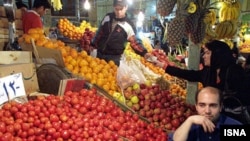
230,73
113,42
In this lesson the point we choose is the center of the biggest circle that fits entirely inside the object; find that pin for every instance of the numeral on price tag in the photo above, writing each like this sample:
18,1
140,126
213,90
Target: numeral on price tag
11,87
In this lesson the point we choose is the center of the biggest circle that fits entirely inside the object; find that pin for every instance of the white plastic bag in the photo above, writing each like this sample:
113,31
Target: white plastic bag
128,74
93,53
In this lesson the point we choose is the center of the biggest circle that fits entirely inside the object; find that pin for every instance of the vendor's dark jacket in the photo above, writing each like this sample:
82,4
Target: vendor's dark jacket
231,74
113,42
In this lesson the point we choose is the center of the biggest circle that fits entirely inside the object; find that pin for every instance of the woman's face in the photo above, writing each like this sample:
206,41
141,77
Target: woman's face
120,11
207,57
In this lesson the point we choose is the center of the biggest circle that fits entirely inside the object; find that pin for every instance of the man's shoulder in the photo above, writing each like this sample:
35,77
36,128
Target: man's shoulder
226,120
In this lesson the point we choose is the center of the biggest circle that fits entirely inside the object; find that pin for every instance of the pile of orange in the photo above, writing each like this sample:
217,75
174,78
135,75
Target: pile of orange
176,89
152,67
95,70
37,34
68,29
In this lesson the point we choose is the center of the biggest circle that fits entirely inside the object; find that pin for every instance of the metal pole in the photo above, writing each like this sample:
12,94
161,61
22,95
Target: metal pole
77,10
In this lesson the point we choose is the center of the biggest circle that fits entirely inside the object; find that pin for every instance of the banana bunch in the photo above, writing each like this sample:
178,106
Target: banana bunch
210,33
57,5
226,29
229,11
210,17
210,20
229,43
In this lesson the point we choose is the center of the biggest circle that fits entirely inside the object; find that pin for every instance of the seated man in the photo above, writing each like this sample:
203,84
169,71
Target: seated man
205,125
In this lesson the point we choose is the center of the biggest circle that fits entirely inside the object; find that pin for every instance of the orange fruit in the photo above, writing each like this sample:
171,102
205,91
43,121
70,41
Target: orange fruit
88,76
49,44
106,87
68,59
73,62
83,69
35,36
75,70
27,38
69,66
89,59
32,31
83,63
100,75
111,63
83,54
74,53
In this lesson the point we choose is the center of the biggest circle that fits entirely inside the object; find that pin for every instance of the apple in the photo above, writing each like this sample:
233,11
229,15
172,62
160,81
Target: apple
134,99
157,111
175,122
129,104
121,99
144,91
136,86
148,83
136,107
168,126
116,95
128,94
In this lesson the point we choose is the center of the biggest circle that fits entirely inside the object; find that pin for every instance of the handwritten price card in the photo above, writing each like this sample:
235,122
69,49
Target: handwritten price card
11,87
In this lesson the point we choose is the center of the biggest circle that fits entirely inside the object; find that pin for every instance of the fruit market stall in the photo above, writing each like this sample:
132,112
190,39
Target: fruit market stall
76,115
113,105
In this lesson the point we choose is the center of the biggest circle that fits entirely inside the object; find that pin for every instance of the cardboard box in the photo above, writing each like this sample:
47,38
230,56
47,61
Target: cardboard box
15,57
28,71
45,55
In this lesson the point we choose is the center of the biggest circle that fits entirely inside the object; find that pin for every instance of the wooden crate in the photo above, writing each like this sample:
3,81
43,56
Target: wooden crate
5,24
18,13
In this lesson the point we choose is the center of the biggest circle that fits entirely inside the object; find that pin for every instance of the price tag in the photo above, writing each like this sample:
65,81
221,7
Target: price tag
11,87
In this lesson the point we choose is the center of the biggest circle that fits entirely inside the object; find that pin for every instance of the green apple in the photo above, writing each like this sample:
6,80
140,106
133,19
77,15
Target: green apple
116,95
148,83
129,104
134,99
136,86
129,89
121,99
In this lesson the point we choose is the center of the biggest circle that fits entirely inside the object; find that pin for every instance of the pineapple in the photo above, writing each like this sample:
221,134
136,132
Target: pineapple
165,7
200,32
176,27
175,31
191,22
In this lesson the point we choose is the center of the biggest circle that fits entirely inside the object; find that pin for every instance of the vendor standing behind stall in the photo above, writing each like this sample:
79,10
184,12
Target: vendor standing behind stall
114,32
32,18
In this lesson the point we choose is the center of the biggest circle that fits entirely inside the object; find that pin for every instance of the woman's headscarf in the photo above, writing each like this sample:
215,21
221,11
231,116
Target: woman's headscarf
222,55
221,58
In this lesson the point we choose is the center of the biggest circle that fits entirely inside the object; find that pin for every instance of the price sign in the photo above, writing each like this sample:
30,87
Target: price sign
11,87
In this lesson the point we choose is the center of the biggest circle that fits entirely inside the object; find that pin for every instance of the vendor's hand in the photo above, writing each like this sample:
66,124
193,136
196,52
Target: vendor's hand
159,64
91,48
148,55
207,124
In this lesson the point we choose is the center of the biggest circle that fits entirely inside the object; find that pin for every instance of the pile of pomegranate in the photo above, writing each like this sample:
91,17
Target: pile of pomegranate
76,116
161,107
